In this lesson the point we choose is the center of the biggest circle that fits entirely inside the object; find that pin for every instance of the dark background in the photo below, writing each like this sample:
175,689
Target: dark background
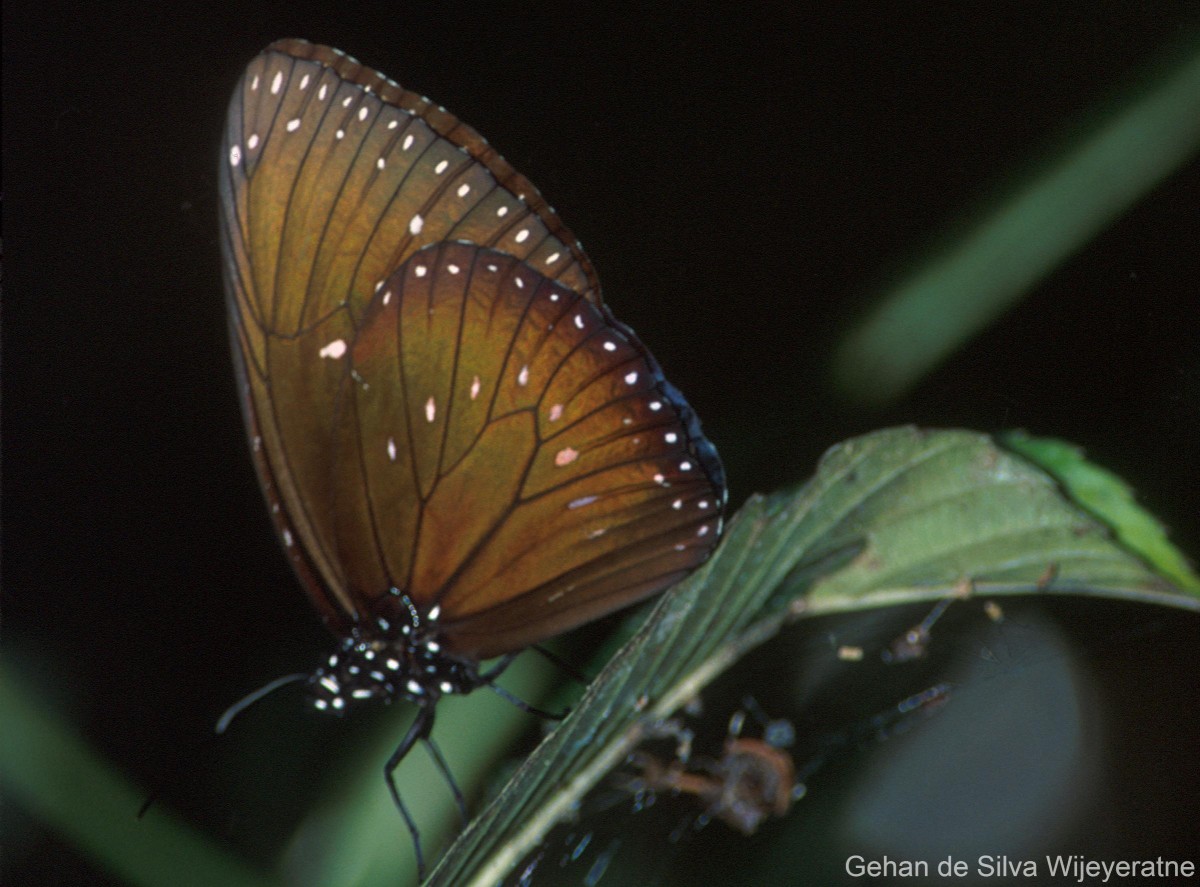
744,183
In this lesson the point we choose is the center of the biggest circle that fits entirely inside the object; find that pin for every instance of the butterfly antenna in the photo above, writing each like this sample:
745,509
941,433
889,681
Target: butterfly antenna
222,724
242,704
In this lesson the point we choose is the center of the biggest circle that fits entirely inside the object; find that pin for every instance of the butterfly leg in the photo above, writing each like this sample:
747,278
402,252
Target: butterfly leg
436,754
563,666
488,677
525,706
420,728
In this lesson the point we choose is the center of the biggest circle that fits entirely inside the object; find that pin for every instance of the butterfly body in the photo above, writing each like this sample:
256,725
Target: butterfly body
382,659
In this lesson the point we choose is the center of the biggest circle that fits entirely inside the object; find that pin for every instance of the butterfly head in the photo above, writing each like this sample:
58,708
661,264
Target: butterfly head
387,659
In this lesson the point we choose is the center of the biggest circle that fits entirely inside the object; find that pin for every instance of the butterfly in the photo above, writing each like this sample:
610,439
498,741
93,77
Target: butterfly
463,452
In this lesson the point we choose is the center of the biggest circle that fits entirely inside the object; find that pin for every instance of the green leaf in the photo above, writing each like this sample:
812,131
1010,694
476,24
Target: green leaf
1110,500
896,516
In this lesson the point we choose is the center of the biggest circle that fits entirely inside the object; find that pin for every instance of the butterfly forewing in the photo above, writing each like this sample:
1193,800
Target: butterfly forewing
334,175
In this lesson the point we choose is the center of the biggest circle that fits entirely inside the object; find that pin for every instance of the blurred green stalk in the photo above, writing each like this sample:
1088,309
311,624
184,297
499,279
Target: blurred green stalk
951,298
50,772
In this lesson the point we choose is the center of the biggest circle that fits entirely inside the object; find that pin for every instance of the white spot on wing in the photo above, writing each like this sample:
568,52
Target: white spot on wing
252,142
430,410
556,412
293,124
552,258
334,349
408,140
415,224
523,376
463,190
581,501
420,270
441,167
522,235
631,377
475,388
276,83
235,155
565,456
391,449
